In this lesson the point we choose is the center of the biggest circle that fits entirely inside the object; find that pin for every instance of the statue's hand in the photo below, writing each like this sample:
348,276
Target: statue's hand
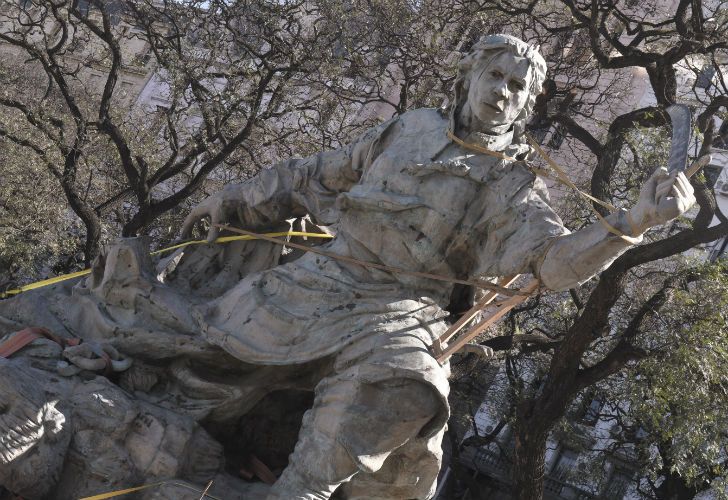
220,207
662,198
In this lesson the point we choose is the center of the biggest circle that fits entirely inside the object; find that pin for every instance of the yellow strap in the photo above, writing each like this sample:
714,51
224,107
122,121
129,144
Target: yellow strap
49,281
116,493
228,239
224,239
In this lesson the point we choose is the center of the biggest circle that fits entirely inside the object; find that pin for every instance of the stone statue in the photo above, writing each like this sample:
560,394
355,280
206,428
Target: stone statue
228,327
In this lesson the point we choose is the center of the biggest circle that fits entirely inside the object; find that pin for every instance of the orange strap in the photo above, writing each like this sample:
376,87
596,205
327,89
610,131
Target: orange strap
28,335
255,467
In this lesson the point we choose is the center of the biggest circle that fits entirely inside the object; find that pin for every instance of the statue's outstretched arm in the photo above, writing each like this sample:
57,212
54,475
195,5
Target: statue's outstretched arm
576,257
288,189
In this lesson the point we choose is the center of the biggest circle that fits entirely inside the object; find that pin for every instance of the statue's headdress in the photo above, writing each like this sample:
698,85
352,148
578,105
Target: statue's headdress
482,53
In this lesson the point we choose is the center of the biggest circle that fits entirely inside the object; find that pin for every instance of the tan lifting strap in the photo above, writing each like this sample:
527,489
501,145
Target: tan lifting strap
492,310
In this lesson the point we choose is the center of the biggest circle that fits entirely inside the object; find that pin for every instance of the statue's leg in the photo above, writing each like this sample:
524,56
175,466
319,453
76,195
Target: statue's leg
352,428
409,472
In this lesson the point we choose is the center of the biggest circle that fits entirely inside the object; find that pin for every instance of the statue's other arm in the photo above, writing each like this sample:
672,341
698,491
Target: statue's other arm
290,188
573,258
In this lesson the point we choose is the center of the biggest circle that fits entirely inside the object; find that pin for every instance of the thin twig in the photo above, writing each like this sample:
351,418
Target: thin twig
204,493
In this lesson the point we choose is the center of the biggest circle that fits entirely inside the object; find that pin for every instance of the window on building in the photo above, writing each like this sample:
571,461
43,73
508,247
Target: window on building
538,129
97,83
592,410
161,112
565,464
126,89
712,172
84,7
617,485
705,77
557,138
721,138
562,42
114,9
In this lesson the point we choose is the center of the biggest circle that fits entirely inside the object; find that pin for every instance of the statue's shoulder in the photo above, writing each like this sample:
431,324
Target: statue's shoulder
421,122
427,117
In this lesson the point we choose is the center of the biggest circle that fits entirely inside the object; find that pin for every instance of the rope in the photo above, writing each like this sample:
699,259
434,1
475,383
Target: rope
224,239
560,177
480,284
564,179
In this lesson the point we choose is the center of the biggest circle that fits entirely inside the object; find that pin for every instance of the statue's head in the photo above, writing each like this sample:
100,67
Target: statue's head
498,80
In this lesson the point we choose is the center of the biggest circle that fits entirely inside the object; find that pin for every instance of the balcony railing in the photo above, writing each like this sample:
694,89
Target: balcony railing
494,465
555,488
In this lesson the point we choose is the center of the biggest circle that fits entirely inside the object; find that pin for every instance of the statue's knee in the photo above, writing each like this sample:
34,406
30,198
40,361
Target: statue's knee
317,467
403,400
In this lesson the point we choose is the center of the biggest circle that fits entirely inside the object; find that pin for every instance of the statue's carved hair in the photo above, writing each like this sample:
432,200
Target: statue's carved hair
481,55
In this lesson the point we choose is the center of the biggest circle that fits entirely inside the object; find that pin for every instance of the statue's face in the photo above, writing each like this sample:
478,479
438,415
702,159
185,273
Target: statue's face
500,90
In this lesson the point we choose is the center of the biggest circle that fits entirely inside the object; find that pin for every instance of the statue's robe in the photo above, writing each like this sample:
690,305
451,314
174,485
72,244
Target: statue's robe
404,196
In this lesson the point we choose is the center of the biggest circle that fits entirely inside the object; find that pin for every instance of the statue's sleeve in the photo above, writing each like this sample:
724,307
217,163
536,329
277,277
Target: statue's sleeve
517,238
297,187
528,237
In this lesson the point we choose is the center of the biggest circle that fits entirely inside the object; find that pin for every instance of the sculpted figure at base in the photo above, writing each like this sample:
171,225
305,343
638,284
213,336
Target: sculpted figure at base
219,334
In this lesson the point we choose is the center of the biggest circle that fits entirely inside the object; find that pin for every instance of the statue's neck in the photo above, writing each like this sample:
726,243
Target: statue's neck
469,123
472,131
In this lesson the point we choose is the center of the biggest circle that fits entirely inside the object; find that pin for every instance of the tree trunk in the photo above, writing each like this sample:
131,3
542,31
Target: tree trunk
663,81
89,218
141,219
674,487
528,460
91,245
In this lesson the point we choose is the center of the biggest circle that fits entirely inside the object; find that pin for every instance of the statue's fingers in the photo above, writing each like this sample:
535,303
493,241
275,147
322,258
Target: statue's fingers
684,190
663,189
685,193
660,175
669,208
214,230
677,197
684,183
648,193
190,222
678,191
654,179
